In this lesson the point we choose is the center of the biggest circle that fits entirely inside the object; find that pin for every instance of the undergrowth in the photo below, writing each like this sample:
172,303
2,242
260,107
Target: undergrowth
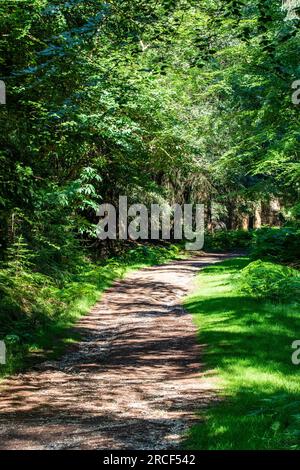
247,353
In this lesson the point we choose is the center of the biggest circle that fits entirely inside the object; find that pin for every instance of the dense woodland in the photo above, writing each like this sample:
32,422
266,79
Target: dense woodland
168,100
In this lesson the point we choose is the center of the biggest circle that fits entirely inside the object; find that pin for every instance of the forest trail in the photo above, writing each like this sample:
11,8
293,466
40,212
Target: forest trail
134,380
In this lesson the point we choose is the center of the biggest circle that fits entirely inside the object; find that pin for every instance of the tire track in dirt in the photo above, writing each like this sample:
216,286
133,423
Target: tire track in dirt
133,382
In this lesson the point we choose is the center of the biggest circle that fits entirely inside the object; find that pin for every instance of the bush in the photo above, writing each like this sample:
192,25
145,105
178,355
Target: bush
277,244
269,280
227,240
295,213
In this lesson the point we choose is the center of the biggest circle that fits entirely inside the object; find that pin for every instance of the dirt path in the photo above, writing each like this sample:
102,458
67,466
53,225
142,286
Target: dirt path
132,382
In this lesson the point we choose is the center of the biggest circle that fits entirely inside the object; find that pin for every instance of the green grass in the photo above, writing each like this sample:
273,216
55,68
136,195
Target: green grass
248,351
44,329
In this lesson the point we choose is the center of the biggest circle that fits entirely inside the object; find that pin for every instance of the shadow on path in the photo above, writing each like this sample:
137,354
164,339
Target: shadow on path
131,383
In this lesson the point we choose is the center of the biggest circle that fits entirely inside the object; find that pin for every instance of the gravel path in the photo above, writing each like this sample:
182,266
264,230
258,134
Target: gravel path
133,382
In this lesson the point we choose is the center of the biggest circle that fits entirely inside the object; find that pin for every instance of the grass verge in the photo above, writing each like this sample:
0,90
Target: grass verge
248,348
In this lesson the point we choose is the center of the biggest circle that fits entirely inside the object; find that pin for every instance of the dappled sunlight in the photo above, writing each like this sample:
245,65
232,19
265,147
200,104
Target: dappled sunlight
248,347
259,378
134,380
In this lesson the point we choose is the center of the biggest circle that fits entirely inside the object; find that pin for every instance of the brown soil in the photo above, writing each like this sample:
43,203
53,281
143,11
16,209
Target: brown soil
133,382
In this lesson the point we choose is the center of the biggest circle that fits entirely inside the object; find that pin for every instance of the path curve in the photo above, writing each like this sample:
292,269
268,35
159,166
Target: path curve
131,383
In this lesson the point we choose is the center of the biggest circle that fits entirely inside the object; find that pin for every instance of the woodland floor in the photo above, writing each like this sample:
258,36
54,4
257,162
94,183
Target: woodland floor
132,382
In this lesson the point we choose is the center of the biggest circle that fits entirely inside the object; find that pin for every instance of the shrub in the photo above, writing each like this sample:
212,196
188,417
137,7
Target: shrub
149,254
277,244
269,280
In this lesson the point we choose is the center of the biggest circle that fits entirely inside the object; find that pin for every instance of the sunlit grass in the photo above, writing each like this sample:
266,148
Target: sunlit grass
248,348
48,335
